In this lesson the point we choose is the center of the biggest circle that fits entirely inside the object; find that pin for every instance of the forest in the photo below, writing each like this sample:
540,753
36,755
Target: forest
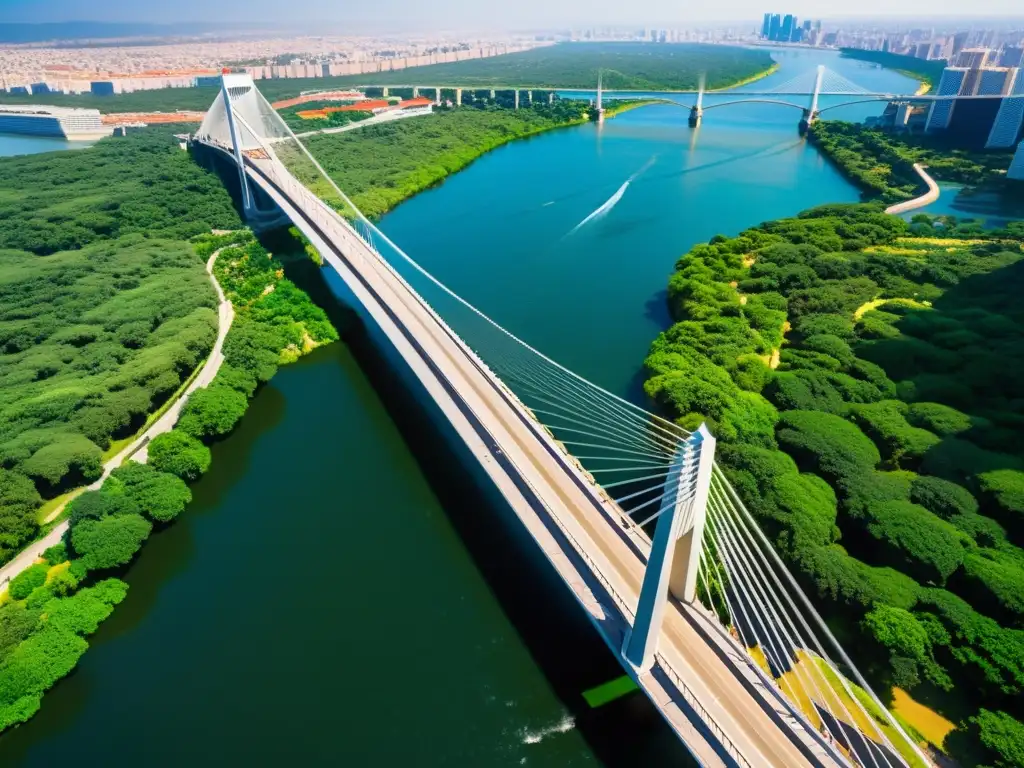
104,308
927,71
881,164
625,66
381,165
861,375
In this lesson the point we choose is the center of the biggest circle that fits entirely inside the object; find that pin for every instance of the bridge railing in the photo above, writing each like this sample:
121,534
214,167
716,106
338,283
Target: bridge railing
694,702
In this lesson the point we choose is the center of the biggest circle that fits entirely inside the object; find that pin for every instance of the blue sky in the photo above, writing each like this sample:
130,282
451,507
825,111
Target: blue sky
459,14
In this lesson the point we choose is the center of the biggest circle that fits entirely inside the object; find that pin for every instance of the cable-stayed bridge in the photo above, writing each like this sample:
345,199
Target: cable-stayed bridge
628,508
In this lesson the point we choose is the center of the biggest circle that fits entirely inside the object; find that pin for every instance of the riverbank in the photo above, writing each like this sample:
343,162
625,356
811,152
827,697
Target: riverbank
383,165
617,107
109,522
882,165
748,80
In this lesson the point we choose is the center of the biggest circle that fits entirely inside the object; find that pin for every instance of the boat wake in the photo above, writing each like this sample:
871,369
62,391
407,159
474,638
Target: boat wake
567,723
612,201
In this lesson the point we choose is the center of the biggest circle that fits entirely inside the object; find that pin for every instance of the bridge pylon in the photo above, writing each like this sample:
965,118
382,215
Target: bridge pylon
600,107
697,111
811,114
674,562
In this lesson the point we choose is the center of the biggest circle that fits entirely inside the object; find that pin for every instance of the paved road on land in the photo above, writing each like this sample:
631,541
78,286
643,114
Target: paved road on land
137,449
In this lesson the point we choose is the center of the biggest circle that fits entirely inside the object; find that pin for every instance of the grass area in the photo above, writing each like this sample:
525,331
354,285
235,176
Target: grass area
932,726
813,681
45,512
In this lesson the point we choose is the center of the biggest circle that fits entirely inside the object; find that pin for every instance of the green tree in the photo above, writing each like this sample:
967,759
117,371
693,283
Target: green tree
159,495
109,541
179,454
21,586
212,411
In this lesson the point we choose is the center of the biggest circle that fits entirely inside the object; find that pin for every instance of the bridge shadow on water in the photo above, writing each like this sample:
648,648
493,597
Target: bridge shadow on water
553,627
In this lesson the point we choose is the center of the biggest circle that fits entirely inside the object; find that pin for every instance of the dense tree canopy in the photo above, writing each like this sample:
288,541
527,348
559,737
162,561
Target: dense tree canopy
882,363
104,309
882,164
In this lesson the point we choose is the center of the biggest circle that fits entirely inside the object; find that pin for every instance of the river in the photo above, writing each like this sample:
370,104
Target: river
333,595
12,144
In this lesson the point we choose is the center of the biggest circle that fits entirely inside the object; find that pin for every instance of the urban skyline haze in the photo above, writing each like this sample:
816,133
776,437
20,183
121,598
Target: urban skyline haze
401,15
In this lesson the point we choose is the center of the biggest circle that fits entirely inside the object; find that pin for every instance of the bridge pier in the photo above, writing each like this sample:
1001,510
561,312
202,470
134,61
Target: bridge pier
415,91
438,95
675,551
517,99
808,119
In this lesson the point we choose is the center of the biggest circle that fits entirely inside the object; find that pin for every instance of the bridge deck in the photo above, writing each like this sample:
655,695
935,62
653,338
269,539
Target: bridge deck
702,687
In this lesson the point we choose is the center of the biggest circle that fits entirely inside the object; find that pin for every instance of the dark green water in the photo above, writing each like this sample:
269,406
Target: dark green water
336,594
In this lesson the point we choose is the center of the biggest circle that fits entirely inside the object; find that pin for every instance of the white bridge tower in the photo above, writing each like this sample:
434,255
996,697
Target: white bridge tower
675,551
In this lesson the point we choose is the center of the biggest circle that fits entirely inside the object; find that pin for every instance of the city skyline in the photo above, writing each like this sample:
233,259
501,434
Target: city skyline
402,15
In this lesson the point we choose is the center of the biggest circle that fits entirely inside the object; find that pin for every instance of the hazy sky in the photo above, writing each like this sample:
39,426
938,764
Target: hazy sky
461,14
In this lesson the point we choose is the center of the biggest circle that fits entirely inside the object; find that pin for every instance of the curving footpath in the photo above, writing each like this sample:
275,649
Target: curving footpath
138,447
918,202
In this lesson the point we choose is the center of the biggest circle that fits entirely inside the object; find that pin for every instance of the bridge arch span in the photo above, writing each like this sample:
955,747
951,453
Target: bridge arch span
754,101
873,100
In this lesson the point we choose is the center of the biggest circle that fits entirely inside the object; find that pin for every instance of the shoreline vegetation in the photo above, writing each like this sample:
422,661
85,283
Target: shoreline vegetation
882,164
860,375
380,166
928,72
49,608
746,81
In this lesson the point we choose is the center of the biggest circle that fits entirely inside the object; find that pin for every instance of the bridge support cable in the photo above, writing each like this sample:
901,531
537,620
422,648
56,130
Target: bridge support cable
374,236
831,84
768,639
806,615
766,603
564,404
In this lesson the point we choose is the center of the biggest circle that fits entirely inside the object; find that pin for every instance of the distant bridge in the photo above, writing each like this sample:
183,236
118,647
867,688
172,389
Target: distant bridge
812,84
703,615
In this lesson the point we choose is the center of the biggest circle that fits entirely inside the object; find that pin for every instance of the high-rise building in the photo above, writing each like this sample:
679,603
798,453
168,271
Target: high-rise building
972,58
959,41
766,28
775,28
950,85
786,33
921,50
1006,129
1012,56
1016,170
